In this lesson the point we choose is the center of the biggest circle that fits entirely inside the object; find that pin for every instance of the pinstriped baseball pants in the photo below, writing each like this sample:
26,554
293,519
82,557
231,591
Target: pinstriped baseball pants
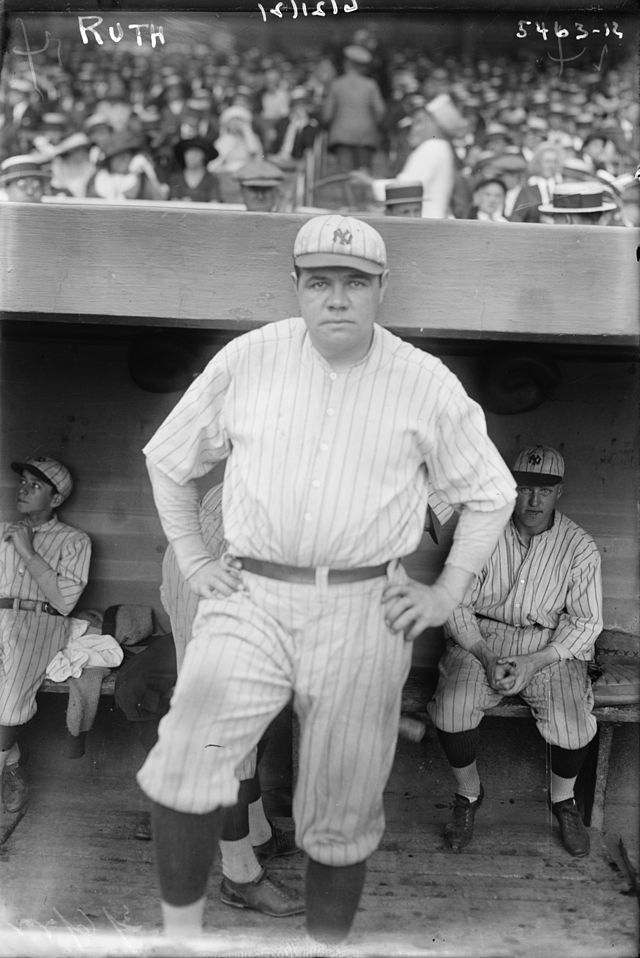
329,646
560,698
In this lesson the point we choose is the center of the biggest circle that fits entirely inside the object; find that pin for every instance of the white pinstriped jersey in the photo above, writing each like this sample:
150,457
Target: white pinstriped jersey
65,549
179,601
30,640
546,593
327,467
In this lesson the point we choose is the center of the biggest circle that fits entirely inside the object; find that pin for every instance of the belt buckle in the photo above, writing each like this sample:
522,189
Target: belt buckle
16,605
46,607
321,576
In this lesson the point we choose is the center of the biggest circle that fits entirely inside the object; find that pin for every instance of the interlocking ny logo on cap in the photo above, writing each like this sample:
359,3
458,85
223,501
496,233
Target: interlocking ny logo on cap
534,459
343,237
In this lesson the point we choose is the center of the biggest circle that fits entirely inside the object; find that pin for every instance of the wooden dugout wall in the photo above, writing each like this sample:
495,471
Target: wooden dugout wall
159,264
78,282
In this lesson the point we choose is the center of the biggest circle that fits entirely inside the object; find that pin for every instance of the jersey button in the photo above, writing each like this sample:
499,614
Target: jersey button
333,375
316,483
307,517
323,446
330,412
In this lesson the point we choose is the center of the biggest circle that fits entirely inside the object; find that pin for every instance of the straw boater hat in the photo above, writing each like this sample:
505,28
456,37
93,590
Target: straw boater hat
26,164
403,192
578,197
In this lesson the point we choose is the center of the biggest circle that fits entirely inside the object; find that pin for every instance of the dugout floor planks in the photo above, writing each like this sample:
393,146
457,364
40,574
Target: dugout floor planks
74,881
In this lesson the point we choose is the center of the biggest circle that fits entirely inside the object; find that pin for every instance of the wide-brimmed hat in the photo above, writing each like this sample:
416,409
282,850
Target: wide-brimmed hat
25,164
194,143
357,54
96,120
122,142
77,141
579,197
235,112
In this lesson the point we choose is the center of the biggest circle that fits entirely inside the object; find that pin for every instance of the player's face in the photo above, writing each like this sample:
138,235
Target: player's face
35,497
339,306
534,508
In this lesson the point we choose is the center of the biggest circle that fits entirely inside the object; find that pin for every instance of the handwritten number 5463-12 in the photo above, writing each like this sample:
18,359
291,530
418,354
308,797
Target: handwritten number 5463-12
304,10
561,32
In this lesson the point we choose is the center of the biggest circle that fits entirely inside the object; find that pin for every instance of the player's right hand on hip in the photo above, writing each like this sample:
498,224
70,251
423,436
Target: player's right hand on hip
220,577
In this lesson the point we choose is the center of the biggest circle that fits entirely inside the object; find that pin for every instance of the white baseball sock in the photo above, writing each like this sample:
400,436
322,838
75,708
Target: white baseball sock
561,788
468,781
239,863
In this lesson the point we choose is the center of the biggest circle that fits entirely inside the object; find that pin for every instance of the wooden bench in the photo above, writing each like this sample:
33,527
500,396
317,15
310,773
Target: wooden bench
611,647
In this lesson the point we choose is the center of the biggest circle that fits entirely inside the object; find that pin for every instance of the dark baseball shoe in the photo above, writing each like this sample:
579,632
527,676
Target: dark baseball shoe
575,836
459,831
264,894
15,791
280,845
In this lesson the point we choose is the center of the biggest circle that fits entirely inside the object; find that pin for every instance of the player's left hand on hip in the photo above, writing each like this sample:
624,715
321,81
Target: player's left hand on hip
412,607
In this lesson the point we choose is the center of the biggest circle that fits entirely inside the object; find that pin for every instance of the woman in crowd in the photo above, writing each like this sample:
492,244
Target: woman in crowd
193,182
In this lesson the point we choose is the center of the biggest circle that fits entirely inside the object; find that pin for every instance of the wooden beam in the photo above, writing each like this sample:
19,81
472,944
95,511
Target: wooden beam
209,269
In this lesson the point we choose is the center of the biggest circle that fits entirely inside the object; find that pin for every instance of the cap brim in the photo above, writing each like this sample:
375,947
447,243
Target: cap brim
536,478
315,260
20,467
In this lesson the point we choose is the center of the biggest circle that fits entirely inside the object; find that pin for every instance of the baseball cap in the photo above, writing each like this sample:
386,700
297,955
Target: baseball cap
336,240
538,466
49,470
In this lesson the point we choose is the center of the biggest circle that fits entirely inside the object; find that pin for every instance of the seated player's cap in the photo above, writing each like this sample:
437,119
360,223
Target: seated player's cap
538,466
48,470
336,240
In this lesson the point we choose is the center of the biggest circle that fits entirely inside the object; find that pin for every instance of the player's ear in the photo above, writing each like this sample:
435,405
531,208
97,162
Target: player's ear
294,277
560,490
384,279
56,500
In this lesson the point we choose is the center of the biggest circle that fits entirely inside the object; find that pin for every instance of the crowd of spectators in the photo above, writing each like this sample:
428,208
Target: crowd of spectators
487,139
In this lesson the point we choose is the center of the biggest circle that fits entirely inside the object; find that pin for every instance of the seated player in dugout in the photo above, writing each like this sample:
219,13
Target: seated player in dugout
44,567
144,684
527,626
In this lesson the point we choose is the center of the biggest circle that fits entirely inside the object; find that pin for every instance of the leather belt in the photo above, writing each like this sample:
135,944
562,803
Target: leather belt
28,605
311,576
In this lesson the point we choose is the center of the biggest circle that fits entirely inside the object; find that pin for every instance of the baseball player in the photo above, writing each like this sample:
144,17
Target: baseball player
44,565
248,839
334,431
527,627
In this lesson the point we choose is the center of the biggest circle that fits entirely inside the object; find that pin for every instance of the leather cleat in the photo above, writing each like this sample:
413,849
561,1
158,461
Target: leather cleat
459,831
575,836
264,894
15,791
143,829
280,845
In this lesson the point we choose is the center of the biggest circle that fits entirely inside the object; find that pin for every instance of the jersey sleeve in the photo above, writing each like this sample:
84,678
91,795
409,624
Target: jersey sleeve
465,469
581,621
193,436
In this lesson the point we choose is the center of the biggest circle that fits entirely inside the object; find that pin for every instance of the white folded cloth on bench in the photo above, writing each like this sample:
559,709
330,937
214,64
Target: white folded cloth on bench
83,652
